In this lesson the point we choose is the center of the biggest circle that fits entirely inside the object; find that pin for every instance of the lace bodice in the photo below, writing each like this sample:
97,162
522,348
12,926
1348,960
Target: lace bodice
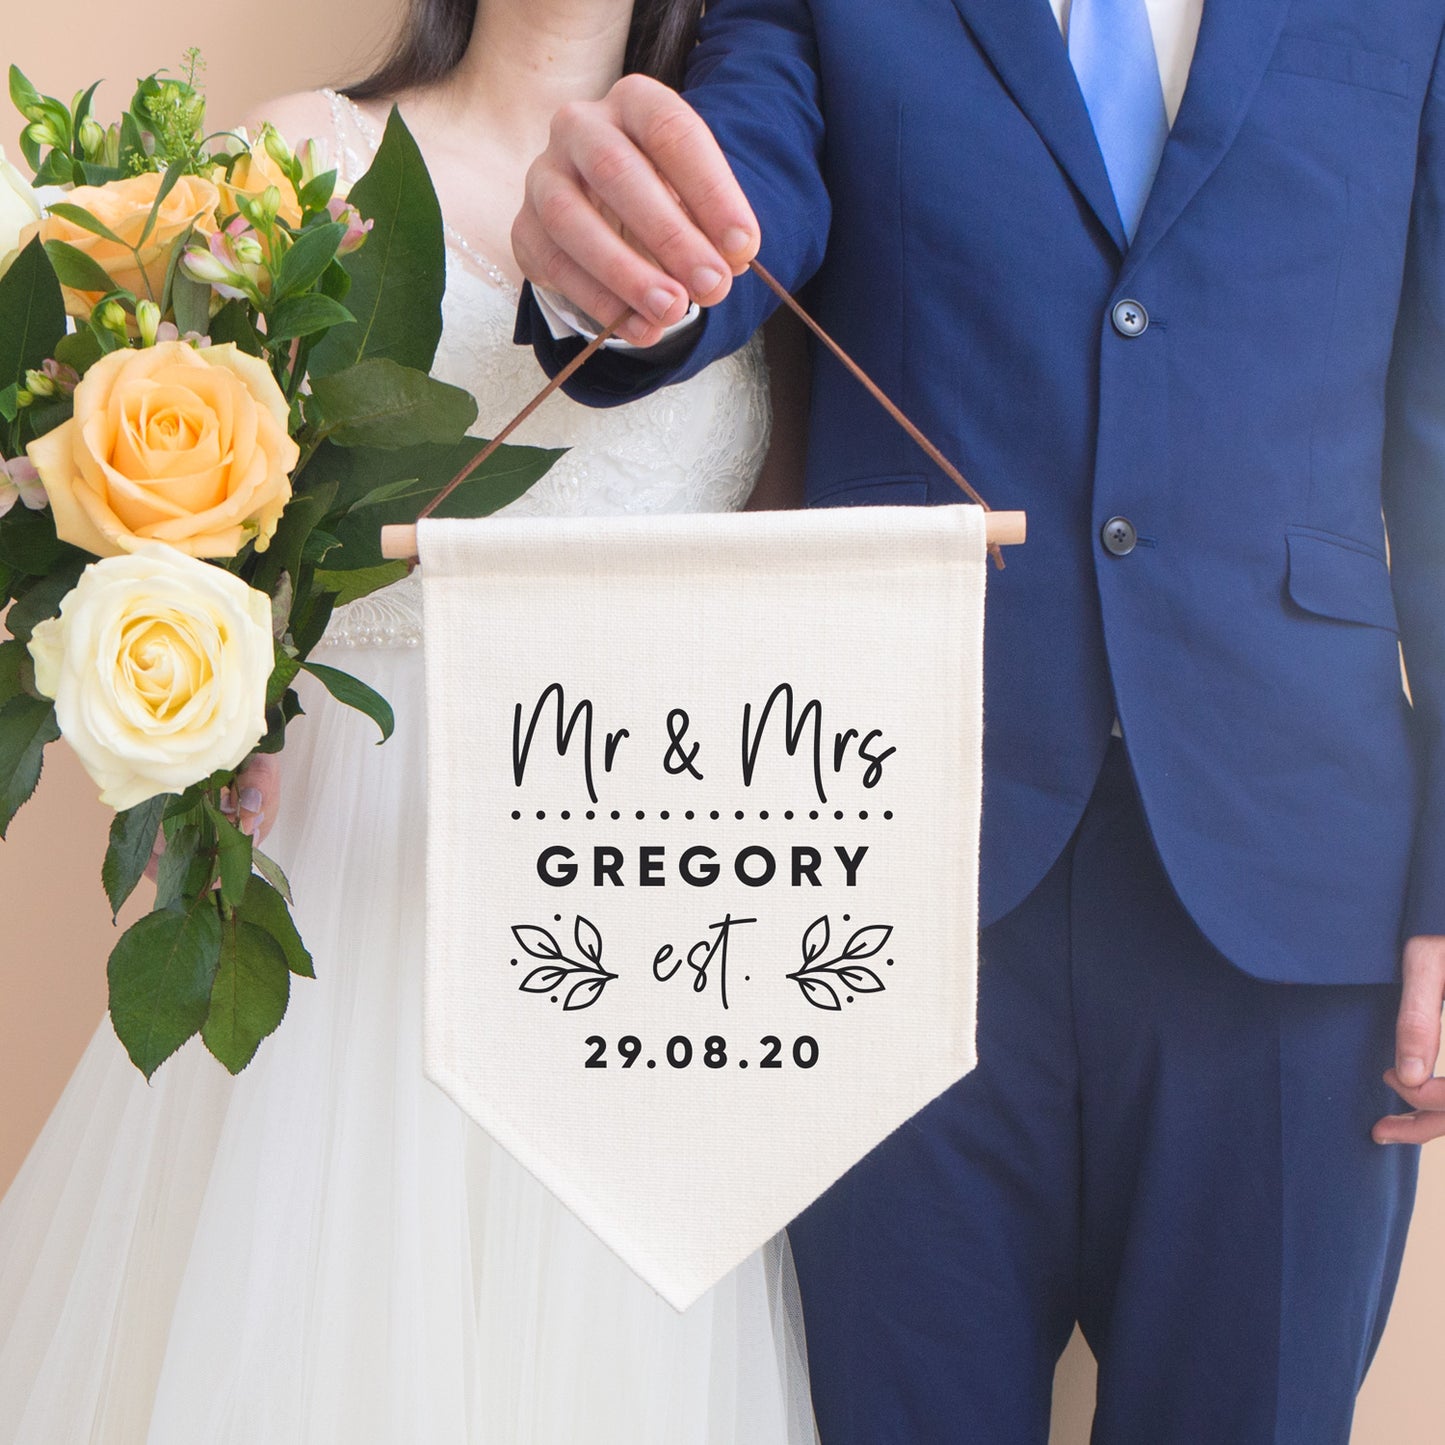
694,447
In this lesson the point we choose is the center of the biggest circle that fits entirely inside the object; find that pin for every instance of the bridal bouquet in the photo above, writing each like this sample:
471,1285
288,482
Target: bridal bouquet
214,391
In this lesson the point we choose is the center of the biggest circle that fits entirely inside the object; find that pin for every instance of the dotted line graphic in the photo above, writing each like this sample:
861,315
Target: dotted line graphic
812,814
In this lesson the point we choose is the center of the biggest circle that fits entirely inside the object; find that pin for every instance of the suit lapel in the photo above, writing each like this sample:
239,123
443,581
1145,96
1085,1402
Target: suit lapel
1236,40
1022,39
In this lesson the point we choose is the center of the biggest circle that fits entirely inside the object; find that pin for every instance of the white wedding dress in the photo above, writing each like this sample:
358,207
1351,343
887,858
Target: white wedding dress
325,1250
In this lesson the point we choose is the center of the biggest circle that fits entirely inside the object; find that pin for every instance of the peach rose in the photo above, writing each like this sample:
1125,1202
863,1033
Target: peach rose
174,444
123,206
253,173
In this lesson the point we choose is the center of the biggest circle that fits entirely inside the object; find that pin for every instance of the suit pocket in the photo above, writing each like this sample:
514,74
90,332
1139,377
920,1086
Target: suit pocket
1338,577
898,490
1325,60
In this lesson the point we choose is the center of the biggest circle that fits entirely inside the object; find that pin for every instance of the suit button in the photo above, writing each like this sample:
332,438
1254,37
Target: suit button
1130,319
1119,536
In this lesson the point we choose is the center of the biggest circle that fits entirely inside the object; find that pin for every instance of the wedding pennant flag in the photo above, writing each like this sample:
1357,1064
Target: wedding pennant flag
702,853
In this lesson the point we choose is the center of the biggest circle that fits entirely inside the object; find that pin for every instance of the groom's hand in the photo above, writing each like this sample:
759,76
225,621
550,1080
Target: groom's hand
633,207
1417,1047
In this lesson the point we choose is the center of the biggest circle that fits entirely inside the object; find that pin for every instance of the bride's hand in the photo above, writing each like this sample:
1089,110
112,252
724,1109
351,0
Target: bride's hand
258,791
644,158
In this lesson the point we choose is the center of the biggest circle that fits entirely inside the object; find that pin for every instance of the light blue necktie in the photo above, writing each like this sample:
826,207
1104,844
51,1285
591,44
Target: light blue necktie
1112,49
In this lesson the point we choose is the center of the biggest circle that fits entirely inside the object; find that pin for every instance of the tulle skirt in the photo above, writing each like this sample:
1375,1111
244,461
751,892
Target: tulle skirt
325,1250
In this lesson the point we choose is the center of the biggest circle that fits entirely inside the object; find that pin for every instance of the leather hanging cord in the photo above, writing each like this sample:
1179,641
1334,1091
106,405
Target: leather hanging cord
595,345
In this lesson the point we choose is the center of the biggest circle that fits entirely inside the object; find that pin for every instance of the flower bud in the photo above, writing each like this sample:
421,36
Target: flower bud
63,378
43,132
23,398
148,318
112,317
312,155
356,228
19,481
92,139
276,146
38,384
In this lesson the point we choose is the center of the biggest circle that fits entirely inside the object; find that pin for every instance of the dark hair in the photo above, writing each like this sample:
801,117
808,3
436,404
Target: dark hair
435,34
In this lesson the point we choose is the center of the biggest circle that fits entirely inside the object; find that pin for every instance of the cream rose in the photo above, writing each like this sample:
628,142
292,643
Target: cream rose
19,210
158,665
123,207
184,446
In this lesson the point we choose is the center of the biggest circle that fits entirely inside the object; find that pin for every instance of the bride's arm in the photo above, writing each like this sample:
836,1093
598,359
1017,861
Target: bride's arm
780,484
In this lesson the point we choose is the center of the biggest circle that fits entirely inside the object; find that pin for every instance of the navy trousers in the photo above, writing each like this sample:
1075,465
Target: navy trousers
1155,1144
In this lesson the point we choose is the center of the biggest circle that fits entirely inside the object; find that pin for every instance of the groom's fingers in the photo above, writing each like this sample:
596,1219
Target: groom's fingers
568,239
676,139
647,160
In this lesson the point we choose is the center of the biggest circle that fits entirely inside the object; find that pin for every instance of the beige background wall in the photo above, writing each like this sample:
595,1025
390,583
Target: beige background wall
56,931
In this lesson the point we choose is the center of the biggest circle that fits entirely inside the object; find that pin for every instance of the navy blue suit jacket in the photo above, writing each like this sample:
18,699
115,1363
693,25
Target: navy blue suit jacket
927,168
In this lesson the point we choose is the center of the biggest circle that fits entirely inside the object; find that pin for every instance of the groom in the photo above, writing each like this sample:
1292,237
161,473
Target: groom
1174,285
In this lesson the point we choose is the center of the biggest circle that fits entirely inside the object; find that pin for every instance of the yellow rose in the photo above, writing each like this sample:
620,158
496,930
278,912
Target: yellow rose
158,665
19,211
172,443
123,206
253,173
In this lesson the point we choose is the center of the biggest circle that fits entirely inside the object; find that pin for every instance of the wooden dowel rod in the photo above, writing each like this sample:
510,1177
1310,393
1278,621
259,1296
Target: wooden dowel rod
1002,529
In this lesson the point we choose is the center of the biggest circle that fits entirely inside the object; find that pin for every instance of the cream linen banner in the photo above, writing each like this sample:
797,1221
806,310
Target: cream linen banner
702,854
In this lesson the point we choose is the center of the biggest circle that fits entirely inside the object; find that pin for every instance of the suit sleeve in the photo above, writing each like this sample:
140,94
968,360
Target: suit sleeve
1414,504
754,79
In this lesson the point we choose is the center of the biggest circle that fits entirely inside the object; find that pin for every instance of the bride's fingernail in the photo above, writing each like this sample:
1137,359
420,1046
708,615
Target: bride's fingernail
735,239
250,798
705,281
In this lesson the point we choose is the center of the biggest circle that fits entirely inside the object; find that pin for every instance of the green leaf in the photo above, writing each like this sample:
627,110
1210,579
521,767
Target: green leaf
307,629
233,323
355,693
32,313
79,216
235,858
311,253
83,106
43,599
282,675
26,726
173,870
161,973
132,141
266,908
174,171
98,175
360,582
314,195
56,170
12,669
76,269
24,96
80,349
304,316
506,475
249,995
399,274
191,303
29,544
303,512
9,407
377,403
270,869
132,837
317,545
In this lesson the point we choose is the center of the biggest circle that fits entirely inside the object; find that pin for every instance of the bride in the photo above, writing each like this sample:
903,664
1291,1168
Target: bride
325,1249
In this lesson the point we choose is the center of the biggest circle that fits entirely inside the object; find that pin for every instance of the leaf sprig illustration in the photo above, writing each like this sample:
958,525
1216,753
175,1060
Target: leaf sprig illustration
820,977
588,975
